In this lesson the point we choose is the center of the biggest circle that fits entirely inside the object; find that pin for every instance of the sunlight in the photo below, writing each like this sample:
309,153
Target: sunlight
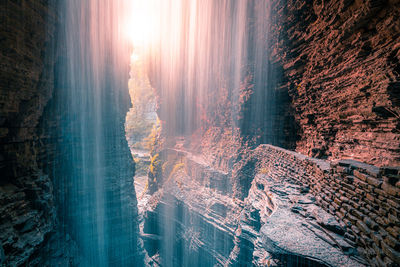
142,25
134,57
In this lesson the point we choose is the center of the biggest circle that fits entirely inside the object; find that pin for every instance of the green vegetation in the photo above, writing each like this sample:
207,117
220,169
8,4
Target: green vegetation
177,167
141,118
154,164
142,125
264,170
149,141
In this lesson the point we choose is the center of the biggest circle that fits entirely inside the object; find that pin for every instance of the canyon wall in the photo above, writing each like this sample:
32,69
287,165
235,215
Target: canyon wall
364,198
338,87
39,144
91,166
26,78
336,84
324,82
242,206
215,71
340,62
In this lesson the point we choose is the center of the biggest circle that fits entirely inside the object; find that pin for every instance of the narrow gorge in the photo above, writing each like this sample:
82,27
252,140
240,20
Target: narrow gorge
200,133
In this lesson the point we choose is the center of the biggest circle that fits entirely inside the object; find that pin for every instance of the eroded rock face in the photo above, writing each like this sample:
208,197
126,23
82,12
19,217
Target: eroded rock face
335,82
93,168
339,62
362,197
37,154
26,80
341,66
195,219
328,212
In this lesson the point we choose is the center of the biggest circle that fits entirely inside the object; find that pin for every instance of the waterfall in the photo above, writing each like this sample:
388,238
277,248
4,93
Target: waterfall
211,58
206,59
210,63
94,173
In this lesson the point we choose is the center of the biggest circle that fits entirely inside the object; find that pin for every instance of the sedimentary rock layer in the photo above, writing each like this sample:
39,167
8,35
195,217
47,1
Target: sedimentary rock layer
277,219
364,198
340,62
26,83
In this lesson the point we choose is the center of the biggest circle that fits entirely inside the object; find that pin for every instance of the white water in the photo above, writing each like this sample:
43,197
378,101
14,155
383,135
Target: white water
201,56
207,59
94,178
204,56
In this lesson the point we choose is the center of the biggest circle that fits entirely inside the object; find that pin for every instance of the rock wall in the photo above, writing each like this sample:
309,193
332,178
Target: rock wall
26,83
331,89
364,198
91,166
340,62
37,144
194,198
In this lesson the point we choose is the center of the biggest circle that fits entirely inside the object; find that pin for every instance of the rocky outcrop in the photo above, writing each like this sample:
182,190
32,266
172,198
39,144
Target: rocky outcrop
93,168
195,209
340,61
41,142
324,209
299,231
335,98
363,198
324,80
26,83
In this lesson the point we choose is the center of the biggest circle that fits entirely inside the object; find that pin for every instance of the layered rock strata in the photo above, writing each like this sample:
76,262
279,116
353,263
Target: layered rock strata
340,62
27,210
194,208
39,144
364,198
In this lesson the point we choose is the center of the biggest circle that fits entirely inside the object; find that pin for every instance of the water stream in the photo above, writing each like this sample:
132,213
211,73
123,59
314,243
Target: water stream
210,57
204,59
94,174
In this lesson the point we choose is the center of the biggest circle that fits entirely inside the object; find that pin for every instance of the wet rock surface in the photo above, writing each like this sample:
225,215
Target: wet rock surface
299,227
36,155
278,222
355,193
27,215
27,212
58,250
340,62
183,219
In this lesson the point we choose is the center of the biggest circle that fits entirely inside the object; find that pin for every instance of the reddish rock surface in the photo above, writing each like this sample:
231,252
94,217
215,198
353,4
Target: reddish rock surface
341,68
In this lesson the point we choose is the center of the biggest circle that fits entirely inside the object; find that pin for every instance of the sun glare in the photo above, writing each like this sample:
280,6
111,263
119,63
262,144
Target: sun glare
142,24
134,57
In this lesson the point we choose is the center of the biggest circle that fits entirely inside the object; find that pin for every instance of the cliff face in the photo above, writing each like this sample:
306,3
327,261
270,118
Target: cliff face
324,79
335,86
44,157
328,87
339,79
341,68
26,80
